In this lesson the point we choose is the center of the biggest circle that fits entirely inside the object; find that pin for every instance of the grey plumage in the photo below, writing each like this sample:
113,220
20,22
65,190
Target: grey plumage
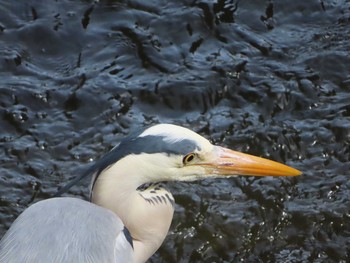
74,231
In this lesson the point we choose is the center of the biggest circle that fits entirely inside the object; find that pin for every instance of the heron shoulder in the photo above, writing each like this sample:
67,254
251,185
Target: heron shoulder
63,230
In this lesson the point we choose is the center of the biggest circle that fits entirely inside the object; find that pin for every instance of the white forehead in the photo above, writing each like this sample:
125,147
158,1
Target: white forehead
173,133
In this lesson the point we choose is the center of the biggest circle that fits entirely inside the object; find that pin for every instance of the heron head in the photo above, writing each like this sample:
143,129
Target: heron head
166,152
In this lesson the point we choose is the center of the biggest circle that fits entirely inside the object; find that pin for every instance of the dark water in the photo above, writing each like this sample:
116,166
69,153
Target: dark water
270,78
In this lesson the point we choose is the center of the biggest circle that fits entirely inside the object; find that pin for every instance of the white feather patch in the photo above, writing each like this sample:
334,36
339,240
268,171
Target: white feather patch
173,133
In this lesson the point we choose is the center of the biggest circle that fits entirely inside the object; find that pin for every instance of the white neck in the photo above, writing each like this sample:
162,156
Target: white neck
147,221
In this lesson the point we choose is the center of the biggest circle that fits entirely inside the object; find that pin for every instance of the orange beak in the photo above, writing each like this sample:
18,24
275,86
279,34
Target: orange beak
230,162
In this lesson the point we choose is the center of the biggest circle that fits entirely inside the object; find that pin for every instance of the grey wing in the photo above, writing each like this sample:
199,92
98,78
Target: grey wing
66,229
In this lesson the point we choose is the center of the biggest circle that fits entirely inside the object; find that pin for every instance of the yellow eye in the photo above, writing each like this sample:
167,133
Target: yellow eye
188,158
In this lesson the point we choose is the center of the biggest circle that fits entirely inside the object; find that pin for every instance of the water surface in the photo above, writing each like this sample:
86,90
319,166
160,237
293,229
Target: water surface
270,78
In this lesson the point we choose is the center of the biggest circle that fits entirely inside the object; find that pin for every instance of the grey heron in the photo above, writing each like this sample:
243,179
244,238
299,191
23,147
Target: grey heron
130,212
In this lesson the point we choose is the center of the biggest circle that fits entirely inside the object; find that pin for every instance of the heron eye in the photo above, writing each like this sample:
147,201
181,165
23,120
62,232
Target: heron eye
188,158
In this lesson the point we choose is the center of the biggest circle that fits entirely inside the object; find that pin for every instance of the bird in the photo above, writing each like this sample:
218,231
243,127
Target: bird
130,210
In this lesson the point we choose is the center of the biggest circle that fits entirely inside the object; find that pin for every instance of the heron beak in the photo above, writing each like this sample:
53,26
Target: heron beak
228,162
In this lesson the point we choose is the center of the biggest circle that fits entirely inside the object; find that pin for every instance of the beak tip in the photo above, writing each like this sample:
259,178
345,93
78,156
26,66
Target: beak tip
286,170
296,172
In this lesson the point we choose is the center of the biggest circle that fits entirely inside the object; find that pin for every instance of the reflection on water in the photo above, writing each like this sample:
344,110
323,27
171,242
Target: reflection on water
266,77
